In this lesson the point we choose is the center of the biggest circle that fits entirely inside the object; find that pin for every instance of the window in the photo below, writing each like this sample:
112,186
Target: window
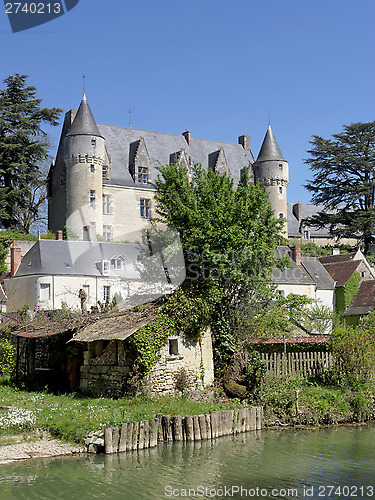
145,208
280,190
45,291
106,204
105,172
107,233
280,166
306,235
281,293
117,263
92,169
106,293
92,199
173,347
281,216
142,175
93,142
105,267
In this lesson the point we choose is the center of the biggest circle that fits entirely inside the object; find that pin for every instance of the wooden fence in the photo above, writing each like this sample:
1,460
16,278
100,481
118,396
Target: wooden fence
294,363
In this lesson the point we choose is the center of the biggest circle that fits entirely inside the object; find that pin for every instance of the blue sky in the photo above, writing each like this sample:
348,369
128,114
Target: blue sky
211,66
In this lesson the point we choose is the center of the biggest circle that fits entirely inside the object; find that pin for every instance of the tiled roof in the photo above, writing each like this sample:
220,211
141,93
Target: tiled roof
364,301
333,259
341,272
308,339
307,210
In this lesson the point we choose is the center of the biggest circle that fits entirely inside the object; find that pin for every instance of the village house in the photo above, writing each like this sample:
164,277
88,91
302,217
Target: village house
304,276
77,274
354,277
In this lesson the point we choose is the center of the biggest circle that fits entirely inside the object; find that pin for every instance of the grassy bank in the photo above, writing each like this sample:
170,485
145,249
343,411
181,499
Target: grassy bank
300,401
286,401
69,417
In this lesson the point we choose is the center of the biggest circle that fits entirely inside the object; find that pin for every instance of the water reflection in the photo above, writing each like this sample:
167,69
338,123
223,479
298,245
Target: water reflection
272,461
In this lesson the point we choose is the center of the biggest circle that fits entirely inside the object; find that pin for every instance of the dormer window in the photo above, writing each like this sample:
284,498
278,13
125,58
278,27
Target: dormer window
106,267
142,175
117,263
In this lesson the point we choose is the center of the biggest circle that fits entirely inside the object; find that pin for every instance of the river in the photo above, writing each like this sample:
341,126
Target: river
334,463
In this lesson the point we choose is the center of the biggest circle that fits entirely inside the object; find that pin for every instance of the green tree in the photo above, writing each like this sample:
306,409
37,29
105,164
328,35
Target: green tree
228,237
23,149
344,182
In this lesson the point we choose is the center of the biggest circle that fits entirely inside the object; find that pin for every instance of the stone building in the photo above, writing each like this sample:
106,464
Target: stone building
100,185
182,363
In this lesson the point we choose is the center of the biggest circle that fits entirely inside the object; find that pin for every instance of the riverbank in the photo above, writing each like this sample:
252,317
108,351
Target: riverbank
36,447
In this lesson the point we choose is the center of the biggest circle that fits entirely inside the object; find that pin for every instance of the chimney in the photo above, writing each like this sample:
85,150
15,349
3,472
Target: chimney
244,140
187,135
59,235
15,259
296,254
335,251
297,211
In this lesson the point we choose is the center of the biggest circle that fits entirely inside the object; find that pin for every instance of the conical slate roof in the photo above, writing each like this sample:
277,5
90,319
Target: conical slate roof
84,122
270,149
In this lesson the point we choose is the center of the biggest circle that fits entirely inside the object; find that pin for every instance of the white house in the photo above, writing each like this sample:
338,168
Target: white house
52,273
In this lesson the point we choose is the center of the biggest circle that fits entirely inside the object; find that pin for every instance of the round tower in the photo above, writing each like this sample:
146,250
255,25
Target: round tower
84,158
272,170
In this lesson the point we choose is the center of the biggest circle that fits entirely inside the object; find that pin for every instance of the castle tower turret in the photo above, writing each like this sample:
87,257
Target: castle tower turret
272,170
85,156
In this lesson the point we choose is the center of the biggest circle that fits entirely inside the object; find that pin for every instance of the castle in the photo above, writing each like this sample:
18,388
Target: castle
100,186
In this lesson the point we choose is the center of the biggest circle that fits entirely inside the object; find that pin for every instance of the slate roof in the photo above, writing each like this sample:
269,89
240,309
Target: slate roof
319,274
270,149
309,272
308,210
160,146
51,257
364,300
84,122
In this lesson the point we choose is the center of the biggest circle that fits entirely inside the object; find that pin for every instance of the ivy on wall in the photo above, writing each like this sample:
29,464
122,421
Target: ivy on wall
183,313
346,294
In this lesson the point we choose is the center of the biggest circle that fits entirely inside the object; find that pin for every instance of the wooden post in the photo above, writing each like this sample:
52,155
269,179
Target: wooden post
177,428
197,432
154,426
189,428
123,438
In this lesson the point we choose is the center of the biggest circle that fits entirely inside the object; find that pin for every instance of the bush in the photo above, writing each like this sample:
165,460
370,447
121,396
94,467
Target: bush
7,357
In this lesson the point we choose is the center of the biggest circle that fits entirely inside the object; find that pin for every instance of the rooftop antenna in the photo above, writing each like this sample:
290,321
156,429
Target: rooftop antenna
130,117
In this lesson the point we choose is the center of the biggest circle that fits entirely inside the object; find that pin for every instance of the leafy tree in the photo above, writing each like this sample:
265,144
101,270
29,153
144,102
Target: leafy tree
344,182
23,149
228,237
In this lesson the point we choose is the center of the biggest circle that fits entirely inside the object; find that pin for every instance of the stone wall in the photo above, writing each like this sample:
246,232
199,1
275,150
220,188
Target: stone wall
106,367
184,364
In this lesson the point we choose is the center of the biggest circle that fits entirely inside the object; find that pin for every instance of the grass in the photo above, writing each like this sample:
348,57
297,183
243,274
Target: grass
70,417
299,401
